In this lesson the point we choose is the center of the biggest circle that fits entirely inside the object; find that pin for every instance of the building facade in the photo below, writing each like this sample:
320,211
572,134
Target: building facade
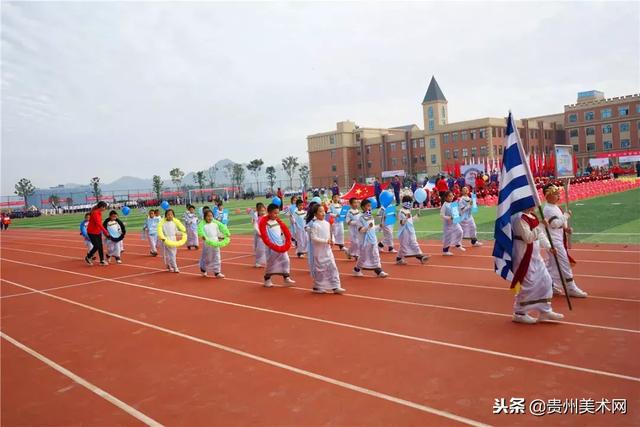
351,152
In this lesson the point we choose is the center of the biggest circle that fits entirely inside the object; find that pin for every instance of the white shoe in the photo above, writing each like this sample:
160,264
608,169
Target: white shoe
219,276
549,315
476,244
461,248
175,270
258,265
118,261
523,318
447,253
392,251
423,259
577,293
382,274
204,274
289,281
557,290
339,290
318,291
268,284
358,273
401,262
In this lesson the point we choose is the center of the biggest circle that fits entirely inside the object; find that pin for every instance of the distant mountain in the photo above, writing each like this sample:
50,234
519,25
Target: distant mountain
128,182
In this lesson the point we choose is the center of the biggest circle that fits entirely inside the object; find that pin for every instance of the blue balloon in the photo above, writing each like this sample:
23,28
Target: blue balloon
276,201
386,198
420,195
374,202
164,205
317,200
126,210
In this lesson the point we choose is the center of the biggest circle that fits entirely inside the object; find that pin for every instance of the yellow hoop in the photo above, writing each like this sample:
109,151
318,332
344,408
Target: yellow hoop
172,243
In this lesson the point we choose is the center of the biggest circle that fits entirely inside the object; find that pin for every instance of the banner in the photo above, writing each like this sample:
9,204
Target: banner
343,213
599,163
628,159
391,174
564,161
619,154
470,172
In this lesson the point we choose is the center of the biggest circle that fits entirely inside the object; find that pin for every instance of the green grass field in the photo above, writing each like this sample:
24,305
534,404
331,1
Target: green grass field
608,219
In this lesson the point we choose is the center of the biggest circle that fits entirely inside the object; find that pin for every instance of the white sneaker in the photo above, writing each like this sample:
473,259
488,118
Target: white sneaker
268,284
258,265
461,248
423,259
392,251
557,290
476,244
382,274
549,315
447,253
118,261
401,262
289,281
523,318
358,273
219,276
175,270
577,293
204,274
339,290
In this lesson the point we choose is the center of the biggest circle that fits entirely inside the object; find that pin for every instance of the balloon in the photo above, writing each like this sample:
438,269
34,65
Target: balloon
201,212
316,200
386,198
374,202
126,210
164,205
420,195
276,201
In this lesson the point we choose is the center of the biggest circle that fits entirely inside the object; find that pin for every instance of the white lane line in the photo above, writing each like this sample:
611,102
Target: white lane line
348,325
271,362
86,384
389,278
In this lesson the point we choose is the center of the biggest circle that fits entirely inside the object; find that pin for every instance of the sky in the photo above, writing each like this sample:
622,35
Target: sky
113,89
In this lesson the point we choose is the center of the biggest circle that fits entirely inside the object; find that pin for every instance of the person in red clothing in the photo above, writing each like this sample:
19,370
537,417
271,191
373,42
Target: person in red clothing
94,231
442,188
6,221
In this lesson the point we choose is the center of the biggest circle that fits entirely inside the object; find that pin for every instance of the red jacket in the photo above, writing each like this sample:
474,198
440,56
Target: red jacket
95,223
442,185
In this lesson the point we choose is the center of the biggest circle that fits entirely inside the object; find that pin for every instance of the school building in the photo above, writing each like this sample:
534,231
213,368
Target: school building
351,152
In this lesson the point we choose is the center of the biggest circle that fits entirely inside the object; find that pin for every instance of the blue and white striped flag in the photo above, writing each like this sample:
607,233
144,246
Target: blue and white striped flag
517,193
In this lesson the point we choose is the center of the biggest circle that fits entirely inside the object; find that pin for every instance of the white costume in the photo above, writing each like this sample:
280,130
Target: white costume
535,287
409,246
277,262
387,230
302,238
337,227
210,260
323,265
258,245
170,229
151,229
352,220
451,233
113,248
190,221
467,223
369,258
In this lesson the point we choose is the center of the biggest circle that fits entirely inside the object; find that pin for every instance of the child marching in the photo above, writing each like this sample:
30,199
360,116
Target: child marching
451,232
468,224
558,229
369,258
277,238
259,248
190,220
301,236
409,246
215,235
387,231
150,229
531,282
353,220
117,232
323,269
337,228
84,234
168,229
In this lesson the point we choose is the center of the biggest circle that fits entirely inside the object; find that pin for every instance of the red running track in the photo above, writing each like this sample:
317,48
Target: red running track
430,345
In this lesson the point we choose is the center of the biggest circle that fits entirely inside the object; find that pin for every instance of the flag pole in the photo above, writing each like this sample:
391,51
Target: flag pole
539,204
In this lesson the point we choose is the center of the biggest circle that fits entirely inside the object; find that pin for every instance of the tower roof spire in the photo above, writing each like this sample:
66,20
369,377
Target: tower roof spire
433,92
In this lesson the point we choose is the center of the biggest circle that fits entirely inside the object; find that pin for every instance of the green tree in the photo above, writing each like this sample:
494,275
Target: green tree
157,186
176,177
238,175
95,187
271,176
24,189
255,166
213,170
304,175
54,200
289,164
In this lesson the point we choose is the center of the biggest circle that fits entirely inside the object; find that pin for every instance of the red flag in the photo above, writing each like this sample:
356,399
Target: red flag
575,164
532,165
456,169
552,164
360,192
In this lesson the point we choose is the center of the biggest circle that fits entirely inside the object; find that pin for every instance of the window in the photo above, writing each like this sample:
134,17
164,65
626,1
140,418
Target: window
332,139
358,152
465,152
432,143
573,118
483,133
625,143
447,154
464,135
483,151
495,150
623,111
394,162
606,128
589,115
444,113
333,154
430,112
393,146
500,149
423,157
591,146
605,113
532,134
456,153
433,159
607,145
591,130
573,133
404,160
369,149
421,142
576,148
369,165
359,165
379,146
474,133
403,144
454,137
333,168
624,127
414,160
431,124
493,132
445,138
638,108
474,151
414,143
